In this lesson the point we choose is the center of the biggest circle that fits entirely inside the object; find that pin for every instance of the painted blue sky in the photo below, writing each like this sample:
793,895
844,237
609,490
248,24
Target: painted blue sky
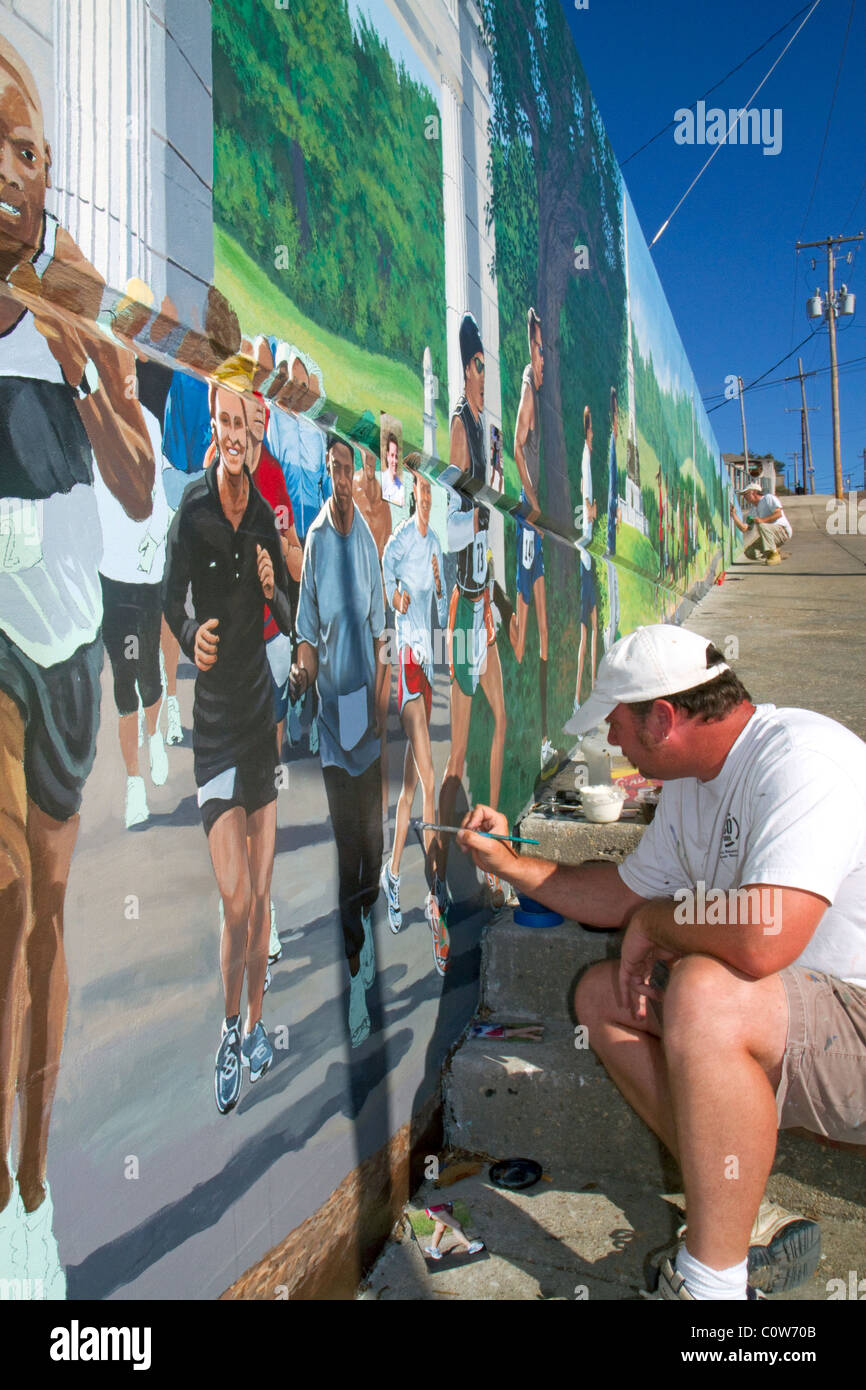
727,263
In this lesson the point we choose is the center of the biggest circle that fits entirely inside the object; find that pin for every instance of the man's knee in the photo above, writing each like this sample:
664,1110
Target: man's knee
594,996
701,1002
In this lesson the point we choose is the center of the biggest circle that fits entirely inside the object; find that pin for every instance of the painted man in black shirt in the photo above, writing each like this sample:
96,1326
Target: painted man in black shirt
224,542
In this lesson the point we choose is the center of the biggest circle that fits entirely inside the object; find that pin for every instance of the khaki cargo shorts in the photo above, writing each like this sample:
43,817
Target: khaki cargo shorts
823,1085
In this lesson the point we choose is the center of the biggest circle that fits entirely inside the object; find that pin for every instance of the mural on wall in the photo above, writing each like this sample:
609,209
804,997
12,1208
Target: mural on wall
345,427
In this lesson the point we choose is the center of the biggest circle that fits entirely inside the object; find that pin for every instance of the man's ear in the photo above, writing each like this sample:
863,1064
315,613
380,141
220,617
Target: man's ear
48,183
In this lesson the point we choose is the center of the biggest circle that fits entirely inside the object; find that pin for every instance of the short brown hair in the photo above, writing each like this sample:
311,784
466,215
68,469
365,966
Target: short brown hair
712,701
533,325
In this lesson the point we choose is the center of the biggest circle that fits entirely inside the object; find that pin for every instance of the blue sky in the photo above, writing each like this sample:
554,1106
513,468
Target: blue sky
727,263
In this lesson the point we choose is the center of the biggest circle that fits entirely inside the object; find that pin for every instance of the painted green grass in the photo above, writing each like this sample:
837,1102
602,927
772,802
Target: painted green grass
355,380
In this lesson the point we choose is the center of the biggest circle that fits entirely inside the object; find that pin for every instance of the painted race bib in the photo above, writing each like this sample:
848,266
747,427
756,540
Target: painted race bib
20,534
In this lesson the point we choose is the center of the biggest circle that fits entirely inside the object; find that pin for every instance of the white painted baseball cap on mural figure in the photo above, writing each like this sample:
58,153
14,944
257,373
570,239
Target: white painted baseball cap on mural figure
648,664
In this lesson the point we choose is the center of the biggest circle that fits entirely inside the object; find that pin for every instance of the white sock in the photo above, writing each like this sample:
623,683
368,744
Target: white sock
719,1285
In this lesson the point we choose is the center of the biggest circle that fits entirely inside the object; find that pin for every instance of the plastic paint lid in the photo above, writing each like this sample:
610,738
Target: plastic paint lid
515,1173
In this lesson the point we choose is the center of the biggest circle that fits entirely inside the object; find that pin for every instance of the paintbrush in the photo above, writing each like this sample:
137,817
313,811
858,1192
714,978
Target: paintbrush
488,835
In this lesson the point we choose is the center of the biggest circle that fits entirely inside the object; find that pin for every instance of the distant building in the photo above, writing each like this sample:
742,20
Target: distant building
764,469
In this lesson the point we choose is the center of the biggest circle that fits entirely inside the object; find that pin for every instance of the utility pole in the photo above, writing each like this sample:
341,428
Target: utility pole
832,311
807,436
743,418
793,454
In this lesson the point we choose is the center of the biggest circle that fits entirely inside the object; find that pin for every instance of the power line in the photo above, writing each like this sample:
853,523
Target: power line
763,374
829,116
730,128
785,380
715,87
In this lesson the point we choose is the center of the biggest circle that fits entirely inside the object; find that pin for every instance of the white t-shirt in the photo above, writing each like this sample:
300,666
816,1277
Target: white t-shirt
134,551
50,545
586,502
768,504
788,808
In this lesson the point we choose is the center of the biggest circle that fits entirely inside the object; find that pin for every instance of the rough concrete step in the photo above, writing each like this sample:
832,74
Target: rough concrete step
549,1101
530,972
555,1103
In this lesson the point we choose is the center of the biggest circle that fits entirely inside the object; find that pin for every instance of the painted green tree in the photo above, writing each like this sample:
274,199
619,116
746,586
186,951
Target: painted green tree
325,174
556,188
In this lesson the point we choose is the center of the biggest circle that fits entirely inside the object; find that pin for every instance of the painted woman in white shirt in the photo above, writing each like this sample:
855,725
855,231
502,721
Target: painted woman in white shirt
413,569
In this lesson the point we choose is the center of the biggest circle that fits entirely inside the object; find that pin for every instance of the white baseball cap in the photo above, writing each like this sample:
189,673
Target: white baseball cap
648,664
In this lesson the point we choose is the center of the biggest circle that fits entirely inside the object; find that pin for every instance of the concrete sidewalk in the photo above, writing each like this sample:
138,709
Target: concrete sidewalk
795,634
800,626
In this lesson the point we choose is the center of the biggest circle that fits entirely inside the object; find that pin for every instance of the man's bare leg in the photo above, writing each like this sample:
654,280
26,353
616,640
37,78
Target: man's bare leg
461,714
227,843
382,702
404,806
581,655
170,655
539,589
707,1090
594,666
491,684
418,766
261,835
51,843
15,918
519,627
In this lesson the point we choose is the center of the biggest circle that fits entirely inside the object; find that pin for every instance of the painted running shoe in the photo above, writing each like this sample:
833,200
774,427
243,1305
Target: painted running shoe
549,758
256,1052
227,1073
275,946
136,802
391,889
158,760
495,892
441,947
45,1275
173,726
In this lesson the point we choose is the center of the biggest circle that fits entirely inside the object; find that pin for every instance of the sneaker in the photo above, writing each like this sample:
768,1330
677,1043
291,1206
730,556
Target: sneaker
672,1287
391,889
432,1252
173,727
441,947
314,737
275,945
440,893
359,1019
227,1073
774,558
368,950
45,1275
473,1247
549,758
158,760
136,802
784,1250
256,1052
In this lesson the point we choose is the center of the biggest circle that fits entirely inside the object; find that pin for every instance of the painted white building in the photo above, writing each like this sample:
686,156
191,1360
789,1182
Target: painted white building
126,91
